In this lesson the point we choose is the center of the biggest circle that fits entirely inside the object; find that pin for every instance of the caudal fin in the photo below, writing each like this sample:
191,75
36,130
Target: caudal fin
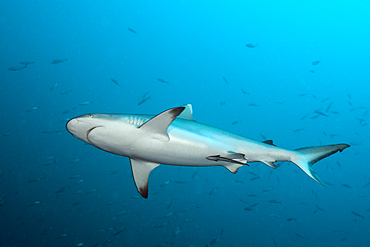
310,155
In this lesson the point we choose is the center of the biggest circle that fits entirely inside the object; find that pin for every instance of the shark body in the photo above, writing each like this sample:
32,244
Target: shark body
174,138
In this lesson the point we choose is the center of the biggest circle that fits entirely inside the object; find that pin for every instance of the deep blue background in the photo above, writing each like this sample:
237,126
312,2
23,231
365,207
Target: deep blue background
193,45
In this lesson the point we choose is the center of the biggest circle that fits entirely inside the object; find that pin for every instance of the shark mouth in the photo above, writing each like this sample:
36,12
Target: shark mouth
88,133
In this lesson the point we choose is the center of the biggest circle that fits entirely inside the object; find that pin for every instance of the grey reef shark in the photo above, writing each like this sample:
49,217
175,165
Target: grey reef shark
174,138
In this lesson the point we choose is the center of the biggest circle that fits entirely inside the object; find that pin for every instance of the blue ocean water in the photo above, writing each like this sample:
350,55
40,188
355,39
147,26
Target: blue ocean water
295,72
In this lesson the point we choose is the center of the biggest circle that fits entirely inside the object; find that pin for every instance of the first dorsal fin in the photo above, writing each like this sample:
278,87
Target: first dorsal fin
187,113
140,171
157,126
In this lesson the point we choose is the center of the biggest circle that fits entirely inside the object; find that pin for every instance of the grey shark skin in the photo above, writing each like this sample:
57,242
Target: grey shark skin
174,138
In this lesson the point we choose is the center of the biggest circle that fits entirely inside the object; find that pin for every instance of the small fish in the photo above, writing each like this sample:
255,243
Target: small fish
143,100
90,192
32,109
213,191
75,177
131,30
118,232
298,130
252,104
115,82
347,186
235,122
163,81
194,174
304,94
299,235
321,113
252,173
36,179
56,61
274,201
357,214
250,45
65,92
179,182
315,62
225,80
320,208
242,201
17,68
275,216
249,209
34,203
55,85
85,103
244,91
76,203
329,106
69,110
165,183
170,204
10,133
27,62
274,241
49,161
214,241
62,189
291,219
254,178
62,236
312,71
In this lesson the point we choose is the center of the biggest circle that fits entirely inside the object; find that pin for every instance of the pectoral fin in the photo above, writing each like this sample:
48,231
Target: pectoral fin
140,171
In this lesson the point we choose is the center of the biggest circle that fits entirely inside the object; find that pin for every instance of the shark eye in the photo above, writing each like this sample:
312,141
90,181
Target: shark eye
90,115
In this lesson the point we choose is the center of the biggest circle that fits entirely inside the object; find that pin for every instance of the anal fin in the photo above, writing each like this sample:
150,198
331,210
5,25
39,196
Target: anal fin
140,171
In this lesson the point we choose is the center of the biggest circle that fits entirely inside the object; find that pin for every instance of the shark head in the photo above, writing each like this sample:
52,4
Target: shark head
110,132
81,127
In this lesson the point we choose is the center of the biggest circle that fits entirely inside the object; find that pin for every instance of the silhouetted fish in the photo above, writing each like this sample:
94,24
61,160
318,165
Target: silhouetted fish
244,91
250,45
161,80
315,62
131,30
115,82
56,61
357,214
346,185
143,100
17,68
299,235
25,63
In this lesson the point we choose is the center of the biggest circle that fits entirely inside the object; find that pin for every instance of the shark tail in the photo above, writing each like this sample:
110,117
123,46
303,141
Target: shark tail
310,155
